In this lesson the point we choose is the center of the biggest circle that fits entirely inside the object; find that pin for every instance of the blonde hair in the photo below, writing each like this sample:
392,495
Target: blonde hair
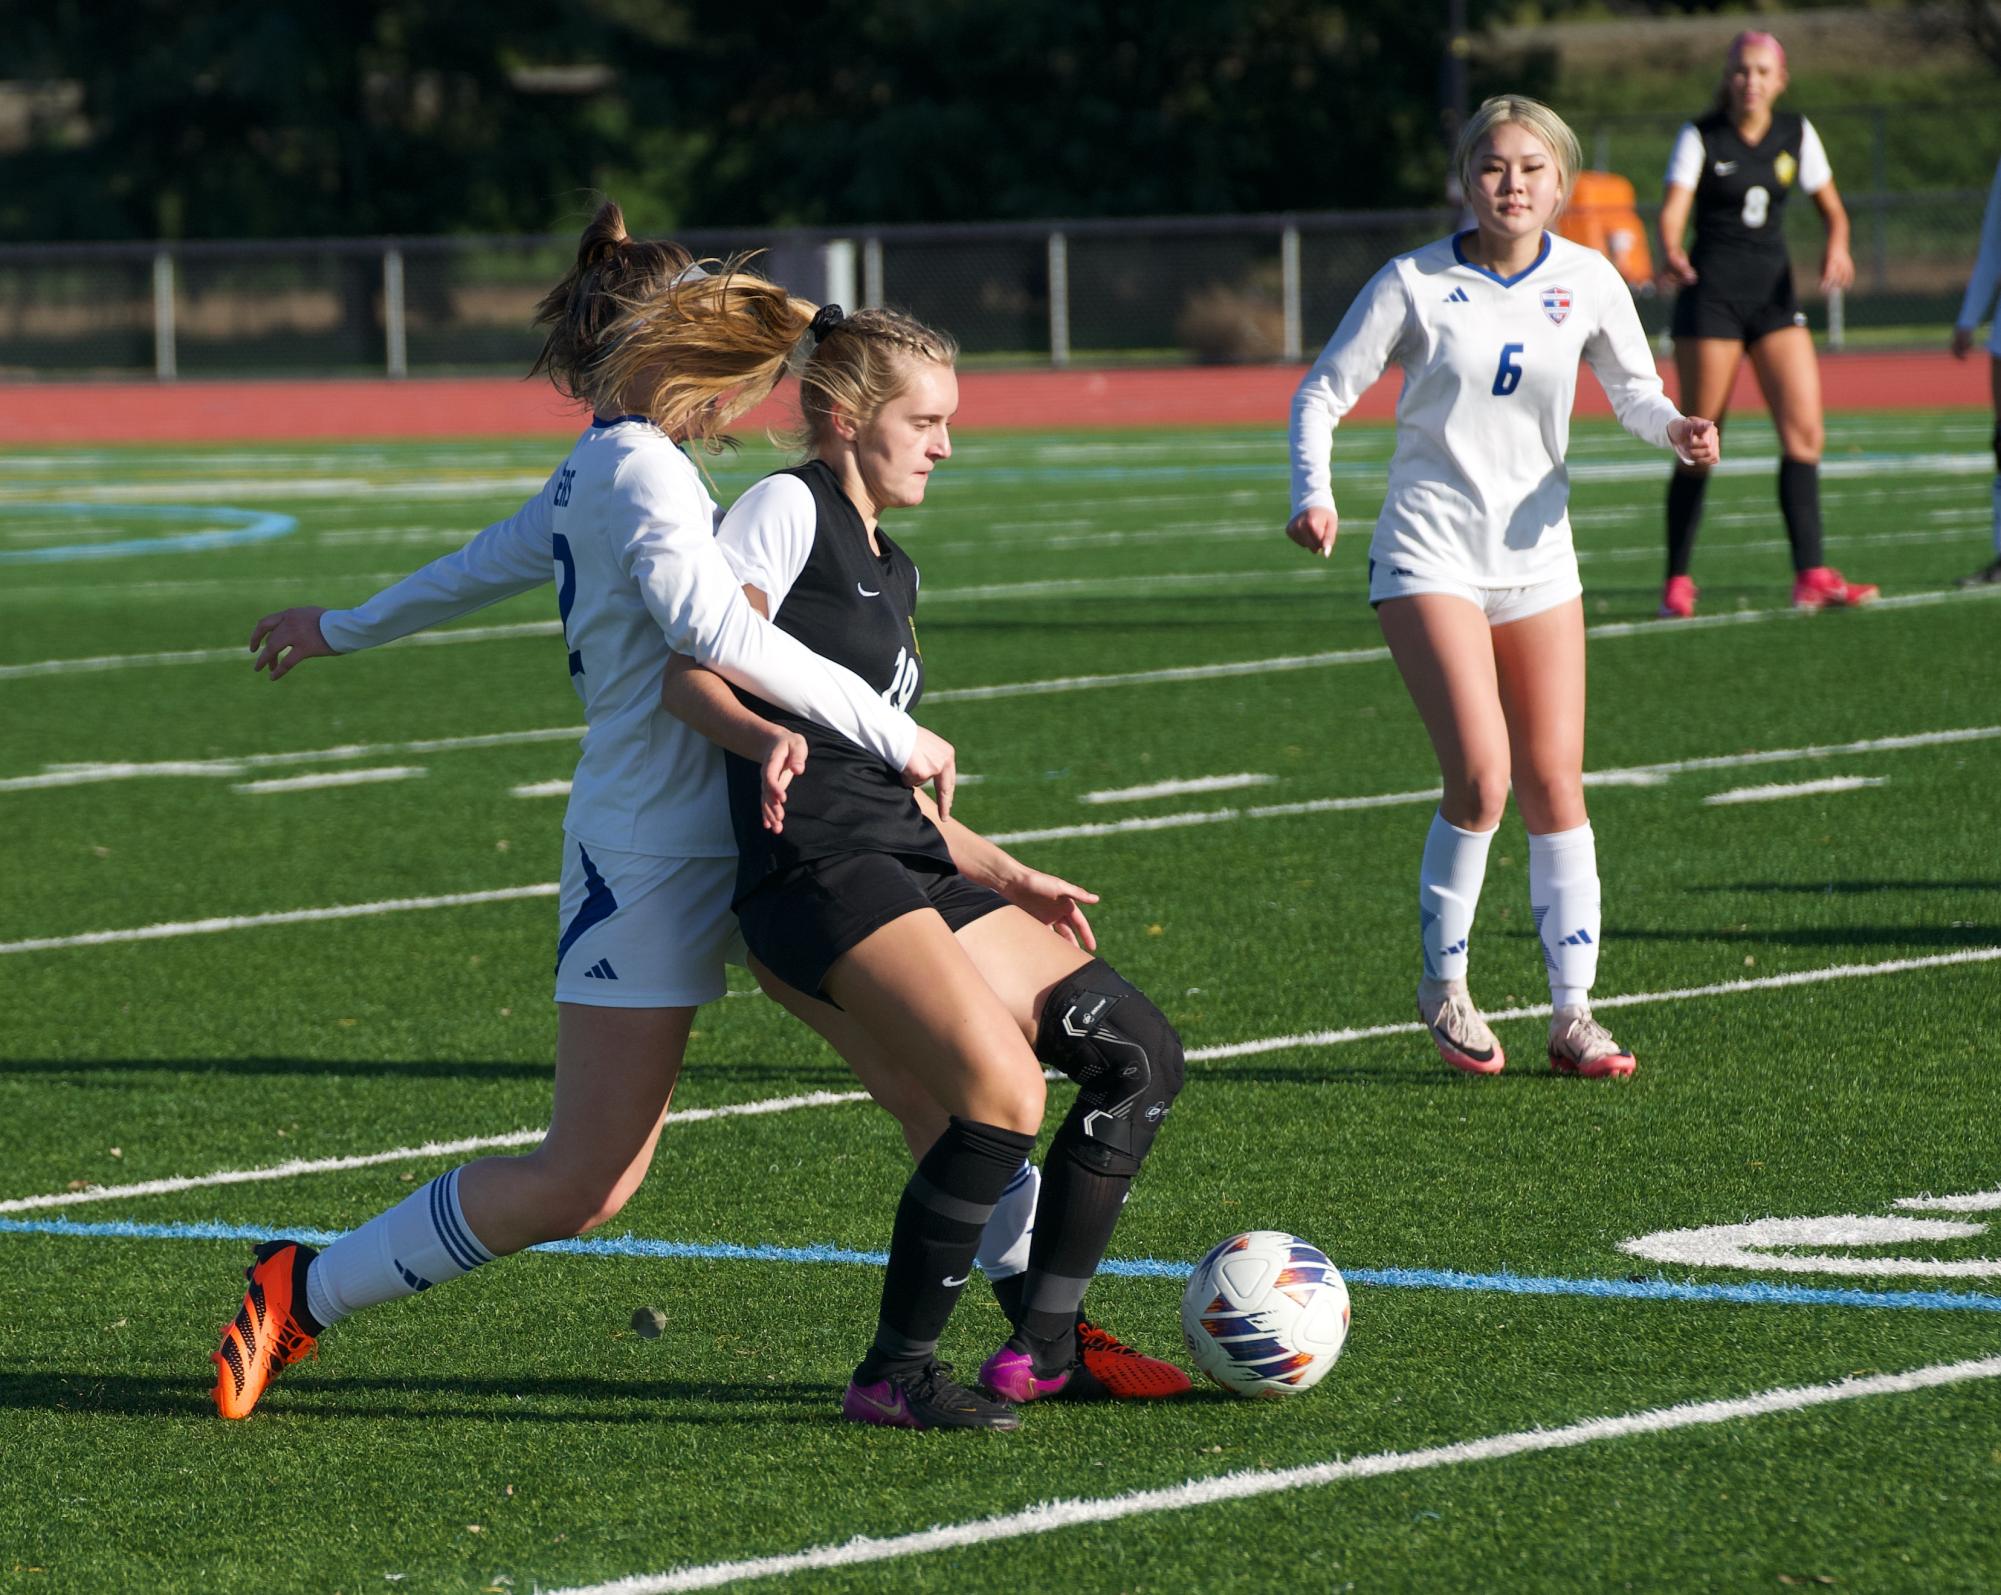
694,355
861,363
612,271
1519,110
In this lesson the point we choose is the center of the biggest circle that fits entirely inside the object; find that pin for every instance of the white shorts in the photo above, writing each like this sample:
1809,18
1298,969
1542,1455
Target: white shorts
1501,605
641,931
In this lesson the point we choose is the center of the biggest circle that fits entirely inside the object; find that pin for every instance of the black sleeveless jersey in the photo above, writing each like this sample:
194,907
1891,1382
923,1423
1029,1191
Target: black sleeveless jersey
856,608
1740,199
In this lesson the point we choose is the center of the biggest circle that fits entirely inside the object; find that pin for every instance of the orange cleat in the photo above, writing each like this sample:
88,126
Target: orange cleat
1824,587
266,1335
1112,1371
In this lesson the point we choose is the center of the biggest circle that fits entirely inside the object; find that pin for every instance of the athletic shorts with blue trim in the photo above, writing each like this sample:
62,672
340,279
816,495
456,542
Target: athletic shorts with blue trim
641,931
1500,605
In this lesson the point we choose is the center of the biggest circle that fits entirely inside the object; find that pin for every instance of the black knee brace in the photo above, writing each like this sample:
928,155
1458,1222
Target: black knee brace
1105,1034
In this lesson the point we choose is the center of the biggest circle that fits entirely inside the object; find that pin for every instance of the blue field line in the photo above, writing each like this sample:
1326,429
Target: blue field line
241,526
1755,1294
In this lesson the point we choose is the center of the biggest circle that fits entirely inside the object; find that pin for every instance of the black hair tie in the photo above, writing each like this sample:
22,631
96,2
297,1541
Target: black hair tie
825,320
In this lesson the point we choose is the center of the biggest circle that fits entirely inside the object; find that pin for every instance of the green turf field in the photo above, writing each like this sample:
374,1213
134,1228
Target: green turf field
1811,982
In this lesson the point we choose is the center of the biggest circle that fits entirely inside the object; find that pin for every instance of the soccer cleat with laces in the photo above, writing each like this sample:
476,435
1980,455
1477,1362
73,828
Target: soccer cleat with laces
1987,576
1580,1045
1457,1030
923,1398
1678,599
267,1334
1824,587
1110,1370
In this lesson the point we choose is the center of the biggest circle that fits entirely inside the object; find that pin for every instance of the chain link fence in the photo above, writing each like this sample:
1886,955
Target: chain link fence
1208,289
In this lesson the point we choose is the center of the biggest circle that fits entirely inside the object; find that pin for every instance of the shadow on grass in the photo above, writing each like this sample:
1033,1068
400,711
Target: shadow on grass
422,1400
803,1076
1846,888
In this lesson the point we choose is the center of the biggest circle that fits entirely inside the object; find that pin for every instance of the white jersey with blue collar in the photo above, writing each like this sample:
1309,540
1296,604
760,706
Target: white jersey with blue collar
626,529
1478,489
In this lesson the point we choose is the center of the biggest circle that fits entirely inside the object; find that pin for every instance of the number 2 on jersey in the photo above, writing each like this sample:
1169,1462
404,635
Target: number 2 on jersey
566,593
1509,376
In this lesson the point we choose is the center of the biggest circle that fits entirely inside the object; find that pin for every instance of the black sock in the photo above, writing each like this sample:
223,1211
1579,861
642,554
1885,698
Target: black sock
1684,517
1009,1293
1799,502
938,1222
1083,1190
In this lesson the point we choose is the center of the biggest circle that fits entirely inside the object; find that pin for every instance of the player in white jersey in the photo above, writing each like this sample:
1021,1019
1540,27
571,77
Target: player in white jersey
1472,571
1976,307
625,527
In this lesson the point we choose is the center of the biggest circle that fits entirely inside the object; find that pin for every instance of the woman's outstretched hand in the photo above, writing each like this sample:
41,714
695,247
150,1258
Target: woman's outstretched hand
287,637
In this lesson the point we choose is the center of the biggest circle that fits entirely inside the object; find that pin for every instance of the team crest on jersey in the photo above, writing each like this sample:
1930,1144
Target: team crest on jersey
1784,167
1556,304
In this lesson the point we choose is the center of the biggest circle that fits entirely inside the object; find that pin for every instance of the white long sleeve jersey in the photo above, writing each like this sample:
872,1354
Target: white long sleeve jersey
626,530
1978,304
1477,489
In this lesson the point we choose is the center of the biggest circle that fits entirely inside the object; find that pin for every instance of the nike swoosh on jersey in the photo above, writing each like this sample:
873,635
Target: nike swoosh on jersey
866,593
1724,168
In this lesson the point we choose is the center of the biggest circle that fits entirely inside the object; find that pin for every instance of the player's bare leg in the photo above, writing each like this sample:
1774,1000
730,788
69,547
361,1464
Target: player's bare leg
1541,669
1707,372
1443,647
1789,375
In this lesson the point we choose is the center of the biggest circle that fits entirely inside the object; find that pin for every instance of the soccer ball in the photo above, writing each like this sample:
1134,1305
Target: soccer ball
1265,1314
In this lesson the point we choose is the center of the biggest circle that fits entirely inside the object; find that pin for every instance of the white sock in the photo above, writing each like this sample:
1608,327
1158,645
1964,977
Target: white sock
1004,1242
1448,891
1563,895
422,1241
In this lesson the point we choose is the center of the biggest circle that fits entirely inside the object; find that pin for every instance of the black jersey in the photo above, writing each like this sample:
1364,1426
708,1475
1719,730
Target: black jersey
1741,193
856,607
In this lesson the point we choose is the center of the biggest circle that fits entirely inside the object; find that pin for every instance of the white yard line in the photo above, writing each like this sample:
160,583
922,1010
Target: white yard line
430,1149
542,789
1769,794
815,1099
326,778
292,916
1092,683
1157,789
1051,1516
90,774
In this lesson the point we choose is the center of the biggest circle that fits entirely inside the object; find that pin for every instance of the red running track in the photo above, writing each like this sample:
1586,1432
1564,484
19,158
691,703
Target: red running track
213,412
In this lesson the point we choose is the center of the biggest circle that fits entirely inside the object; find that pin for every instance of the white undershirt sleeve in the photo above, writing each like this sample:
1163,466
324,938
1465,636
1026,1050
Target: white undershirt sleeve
694,597
1684,167
1360,351
767,536
1815,172
508,557
1621,359
1979,300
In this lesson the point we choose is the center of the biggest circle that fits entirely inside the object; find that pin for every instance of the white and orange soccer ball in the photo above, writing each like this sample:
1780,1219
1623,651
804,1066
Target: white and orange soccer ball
1265,1314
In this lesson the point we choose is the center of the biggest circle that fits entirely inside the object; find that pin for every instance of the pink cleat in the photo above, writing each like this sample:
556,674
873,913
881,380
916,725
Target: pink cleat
1824,587
1678,599
1457,1030
1580,1045
1011,1376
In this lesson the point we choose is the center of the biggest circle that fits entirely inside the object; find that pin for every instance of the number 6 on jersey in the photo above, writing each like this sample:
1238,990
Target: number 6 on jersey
1509,376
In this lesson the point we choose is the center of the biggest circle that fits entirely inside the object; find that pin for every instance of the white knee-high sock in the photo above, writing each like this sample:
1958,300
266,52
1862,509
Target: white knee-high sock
1448,891
422,1241
1563,894
1003,1249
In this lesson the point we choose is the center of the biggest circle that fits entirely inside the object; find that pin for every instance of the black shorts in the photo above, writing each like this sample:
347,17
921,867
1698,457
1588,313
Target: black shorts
1742,305
799,921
